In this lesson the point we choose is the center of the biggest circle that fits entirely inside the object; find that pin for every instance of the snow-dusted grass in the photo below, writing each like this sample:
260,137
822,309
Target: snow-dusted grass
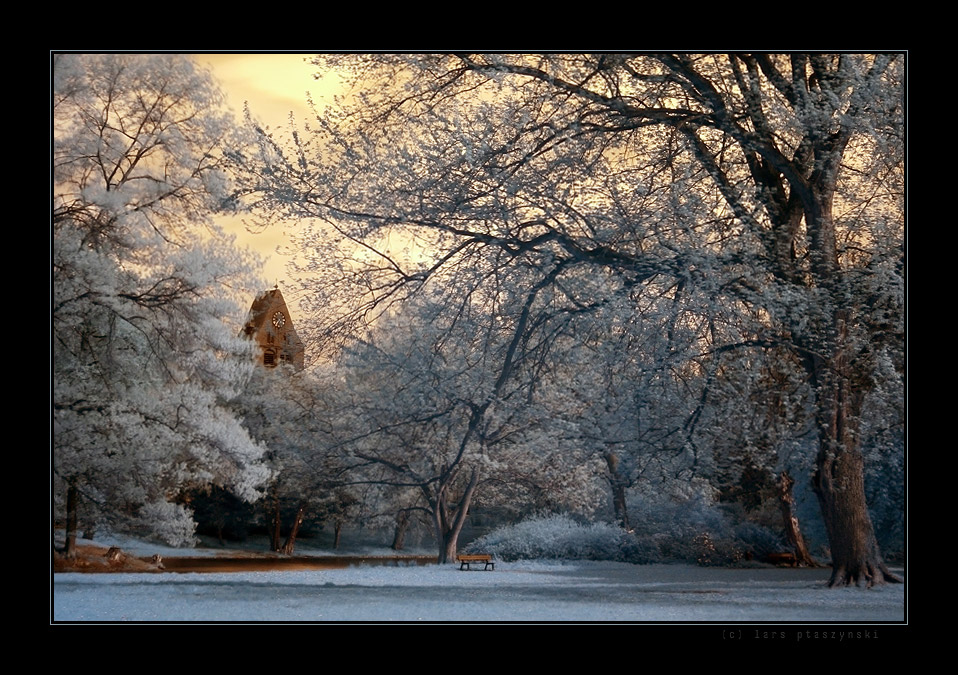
527,591
515,592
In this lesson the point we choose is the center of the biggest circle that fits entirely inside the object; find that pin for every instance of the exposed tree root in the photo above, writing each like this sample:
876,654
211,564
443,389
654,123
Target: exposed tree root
870,573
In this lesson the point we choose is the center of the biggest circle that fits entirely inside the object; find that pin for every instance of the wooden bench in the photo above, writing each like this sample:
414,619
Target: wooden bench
466,559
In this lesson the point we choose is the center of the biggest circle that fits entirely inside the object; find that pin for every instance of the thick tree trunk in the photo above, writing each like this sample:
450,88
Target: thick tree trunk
73,499
337,532
440,522
290,544
793,531
449,547
840,379
840,485
839,478
449,524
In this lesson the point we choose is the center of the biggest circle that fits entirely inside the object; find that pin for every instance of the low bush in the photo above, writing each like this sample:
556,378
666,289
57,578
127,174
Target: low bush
689,528
557,537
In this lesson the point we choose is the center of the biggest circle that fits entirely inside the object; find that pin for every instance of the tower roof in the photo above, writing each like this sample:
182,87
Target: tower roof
270,325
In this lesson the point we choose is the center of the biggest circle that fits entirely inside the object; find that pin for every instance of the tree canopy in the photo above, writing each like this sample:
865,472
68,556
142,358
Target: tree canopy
702,204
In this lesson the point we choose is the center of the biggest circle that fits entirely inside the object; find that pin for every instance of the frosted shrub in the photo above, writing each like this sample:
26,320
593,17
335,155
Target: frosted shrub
758,540
169,523
670,529
690,526
557,537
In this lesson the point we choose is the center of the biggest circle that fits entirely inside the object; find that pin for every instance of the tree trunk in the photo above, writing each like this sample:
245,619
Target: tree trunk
337,531
290,543
399,535
793,531
618,485
449,546
273,517
73,499
440,529
449,525
839,484
839,477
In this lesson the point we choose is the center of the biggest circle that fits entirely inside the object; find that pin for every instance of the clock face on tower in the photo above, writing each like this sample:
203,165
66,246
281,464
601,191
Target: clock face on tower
279,319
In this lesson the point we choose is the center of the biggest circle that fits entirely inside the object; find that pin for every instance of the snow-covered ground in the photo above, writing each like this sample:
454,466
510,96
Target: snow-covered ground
514,592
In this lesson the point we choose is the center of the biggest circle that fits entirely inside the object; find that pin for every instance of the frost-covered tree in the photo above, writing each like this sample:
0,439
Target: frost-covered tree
439,400
292,415
145,348
763,191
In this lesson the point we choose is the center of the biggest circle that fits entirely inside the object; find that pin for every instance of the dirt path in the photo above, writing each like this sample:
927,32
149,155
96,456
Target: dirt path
98,559
272,564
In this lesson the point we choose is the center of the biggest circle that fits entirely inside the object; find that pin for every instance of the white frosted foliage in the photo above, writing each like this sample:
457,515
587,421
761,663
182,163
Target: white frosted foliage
145,287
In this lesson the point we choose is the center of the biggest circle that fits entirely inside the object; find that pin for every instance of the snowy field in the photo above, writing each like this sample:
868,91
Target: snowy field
514,592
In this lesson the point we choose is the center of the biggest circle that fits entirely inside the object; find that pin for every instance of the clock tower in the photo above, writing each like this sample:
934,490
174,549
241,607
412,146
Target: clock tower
270,326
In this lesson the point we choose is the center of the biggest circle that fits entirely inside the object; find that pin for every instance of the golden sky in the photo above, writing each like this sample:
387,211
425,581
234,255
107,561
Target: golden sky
273,85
